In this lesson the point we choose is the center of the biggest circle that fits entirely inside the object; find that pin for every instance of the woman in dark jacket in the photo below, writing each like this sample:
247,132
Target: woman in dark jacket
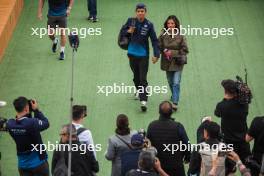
174,49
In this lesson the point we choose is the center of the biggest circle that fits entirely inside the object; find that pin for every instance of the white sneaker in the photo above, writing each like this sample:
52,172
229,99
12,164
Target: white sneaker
143,106
2,103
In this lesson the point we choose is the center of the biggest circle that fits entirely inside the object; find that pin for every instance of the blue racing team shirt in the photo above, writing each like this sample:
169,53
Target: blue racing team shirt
26,133
57,8
139,40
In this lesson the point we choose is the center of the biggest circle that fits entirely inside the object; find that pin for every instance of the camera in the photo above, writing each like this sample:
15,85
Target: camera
244,92
252,163
3,124
142,132
30,107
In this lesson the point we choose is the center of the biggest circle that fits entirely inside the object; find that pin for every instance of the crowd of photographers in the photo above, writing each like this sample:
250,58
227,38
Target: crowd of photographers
150,153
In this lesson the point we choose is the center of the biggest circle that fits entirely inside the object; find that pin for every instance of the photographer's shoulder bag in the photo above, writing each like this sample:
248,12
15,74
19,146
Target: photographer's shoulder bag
123,40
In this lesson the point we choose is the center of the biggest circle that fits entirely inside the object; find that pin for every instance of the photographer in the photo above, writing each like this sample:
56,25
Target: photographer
26,133
209,151
233,116
129,159
256,133
148,165
82,164
85,136
166,131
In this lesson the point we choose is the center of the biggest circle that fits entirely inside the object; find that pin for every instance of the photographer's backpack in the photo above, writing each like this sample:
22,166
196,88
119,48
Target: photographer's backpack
123,40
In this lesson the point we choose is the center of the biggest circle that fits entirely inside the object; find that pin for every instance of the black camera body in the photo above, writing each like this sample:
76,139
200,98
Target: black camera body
244,93
3,122
30,108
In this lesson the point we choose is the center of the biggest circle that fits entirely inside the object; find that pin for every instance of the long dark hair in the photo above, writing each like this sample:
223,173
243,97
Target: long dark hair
175,19
122,125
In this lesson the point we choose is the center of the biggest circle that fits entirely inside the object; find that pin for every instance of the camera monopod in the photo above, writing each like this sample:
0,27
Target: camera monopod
74,42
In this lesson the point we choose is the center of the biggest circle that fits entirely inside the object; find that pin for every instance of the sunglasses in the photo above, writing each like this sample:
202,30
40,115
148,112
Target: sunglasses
63,134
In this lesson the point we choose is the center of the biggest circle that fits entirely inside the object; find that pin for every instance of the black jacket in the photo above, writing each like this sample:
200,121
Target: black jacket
233,120
166,132
82,164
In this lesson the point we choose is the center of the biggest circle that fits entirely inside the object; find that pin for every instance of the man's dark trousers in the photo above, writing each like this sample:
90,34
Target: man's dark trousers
139,67
92,8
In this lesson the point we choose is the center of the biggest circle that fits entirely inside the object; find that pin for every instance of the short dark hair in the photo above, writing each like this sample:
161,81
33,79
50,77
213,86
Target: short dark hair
173,18
122,125
213,130
20,103
141,6
78,111
230,86
146,161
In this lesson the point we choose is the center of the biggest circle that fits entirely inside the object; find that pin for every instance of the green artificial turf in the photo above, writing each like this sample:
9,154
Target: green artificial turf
30,69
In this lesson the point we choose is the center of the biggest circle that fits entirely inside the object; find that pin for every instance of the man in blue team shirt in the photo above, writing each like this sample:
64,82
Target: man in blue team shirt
139,30
58,12
26,133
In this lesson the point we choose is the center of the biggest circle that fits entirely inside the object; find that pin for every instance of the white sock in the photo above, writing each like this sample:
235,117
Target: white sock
62,48
55,41
144,103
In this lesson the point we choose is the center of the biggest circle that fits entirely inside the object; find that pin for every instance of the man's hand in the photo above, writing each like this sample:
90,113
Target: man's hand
233,156
157,164
158,168
40,15
68,12
131,30
34,104
154,60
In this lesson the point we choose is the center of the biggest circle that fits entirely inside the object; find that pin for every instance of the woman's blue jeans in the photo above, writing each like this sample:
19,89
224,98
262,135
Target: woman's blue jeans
174,80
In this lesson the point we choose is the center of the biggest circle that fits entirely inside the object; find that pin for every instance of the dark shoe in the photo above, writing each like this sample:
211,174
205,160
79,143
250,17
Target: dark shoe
89,18
55,46
94,20
143,106
62,56
174,107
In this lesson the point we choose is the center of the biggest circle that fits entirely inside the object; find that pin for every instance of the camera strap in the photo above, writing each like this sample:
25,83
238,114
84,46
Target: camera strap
129,145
